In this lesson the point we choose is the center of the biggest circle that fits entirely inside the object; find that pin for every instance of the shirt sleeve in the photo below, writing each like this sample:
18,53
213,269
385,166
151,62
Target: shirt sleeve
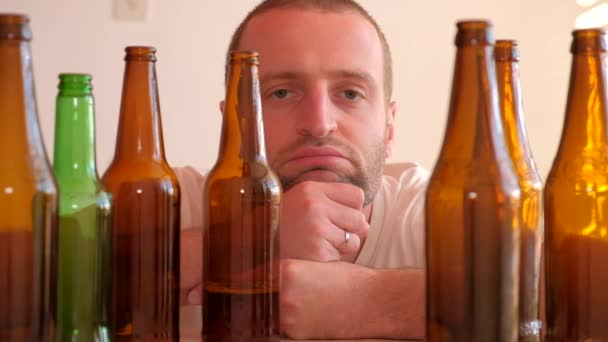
192,183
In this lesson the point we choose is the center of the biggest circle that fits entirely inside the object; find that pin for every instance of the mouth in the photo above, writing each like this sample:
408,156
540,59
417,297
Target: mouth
320,157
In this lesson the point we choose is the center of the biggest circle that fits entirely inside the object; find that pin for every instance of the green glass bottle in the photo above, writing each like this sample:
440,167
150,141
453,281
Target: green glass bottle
84,218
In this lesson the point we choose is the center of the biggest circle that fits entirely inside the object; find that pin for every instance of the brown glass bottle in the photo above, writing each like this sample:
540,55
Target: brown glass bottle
28,197
506,56
241,208
472,205
145,260
576,201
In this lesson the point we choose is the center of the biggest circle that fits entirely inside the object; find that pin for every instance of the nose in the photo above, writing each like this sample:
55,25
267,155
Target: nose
317,117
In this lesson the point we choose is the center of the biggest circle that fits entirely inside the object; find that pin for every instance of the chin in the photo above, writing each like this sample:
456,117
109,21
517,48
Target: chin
316,175
319,176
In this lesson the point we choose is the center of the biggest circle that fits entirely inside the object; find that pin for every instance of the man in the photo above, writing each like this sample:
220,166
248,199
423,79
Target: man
352,240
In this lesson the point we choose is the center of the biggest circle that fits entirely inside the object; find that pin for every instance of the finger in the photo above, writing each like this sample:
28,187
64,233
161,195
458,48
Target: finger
194,296
345,194
345,242
349,219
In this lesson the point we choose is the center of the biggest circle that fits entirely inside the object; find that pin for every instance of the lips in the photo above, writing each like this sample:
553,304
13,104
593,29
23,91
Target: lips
315,152
320,157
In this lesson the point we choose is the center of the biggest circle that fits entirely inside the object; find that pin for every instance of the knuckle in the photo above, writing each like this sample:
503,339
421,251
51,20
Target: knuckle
318,229
359,195
308,205
329,253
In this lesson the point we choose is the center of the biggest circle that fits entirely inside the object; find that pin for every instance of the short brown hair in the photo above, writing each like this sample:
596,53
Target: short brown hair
328,6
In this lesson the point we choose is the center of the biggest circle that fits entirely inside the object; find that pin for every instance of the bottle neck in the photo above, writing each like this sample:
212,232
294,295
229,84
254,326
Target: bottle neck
20,137
139,134
509,90
586,112
242,128
473,128
74,154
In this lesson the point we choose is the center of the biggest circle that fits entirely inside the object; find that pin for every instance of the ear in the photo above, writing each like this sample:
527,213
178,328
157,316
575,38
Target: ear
390,129
222,107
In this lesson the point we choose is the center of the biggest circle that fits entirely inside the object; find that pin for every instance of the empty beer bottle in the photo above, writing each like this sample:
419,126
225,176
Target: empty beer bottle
241,219
472,205
576,201
146,198
84,217
28,197
506,56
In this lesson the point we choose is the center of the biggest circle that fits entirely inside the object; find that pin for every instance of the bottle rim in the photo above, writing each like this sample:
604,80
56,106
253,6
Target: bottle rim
13,18
474,32
75,77
75,84
506,50
140,52
15,26
473,24
589,40
239,56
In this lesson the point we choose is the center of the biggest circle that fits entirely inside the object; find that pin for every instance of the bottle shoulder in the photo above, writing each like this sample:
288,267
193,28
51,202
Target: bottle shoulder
130,171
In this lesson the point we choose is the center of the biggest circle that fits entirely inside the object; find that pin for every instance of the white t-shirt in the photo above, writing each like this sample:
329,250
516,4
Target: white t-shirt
396,235
395,238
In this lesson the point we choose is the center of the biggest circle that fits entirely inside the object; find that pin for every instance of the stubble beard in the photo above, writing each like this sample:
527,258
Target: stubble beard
368,178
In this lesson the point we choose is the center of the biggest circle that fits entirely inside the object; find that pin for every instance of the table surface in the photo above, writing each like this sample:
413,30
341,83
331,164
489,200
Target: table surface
198,340
190,326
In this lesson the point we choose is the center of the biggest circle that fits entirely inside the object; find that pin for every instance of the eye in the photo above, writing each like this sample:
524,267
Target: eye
351,94
280,93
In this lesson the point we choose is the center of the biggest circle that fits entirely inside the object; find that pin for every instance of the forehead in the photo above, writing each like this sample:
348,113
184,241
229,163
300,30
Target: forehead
314,41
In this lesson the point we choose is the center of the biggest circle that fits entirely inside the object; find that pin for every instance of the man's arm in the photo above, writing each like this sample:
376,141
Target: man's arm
347,301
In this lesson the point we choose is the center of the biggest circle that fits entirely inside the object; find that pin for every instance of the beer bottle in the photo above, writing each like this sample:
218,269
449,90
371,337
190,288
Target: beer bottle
28,197
145,191
472,205
576,201
241,220
506,56
84,217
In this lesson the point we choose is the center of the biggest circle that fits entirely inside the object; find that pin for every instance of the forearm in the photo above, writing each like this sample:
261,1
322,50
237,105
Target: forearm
339,300
392,304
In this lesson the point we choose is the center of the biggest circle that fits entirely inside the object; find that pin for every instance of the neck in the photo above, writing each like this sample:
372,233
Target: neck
139,131
74,154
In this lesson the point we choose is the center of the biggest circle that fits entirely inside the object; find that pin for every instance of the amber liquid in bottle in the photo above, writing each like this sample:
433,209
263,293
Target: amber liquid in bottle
472,203
145,278
28,197
506,55
241,207
576,202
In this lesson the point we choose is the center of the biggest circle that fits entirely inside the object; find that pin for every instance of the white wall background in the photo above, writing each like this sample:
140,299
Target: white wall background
191,37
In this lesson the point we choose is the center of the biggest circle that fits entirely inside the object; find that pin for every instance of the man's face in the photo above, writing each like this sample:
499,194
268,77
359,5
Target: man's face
321,78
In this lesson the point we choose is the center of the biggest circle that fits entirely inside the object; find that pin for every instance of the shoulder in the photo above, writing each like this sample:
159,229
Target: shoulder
407,179
189,174
191,182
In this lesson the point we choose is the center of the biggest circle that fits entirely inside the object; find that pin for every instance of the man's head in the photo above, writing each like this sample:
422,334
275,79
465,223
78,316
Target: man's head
325,81
336,6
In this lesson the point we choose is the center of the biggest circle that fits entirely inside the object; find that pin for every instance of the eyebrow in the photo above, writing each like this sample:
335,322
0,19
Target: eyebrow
359,75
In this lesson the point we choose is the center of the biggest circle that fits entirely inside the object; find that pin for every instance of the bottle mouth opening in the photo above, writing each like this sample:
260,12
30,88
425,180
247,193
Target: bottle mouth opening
473,24
15,27
589,32
13,18
75,78
145,53
506,50
240,56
